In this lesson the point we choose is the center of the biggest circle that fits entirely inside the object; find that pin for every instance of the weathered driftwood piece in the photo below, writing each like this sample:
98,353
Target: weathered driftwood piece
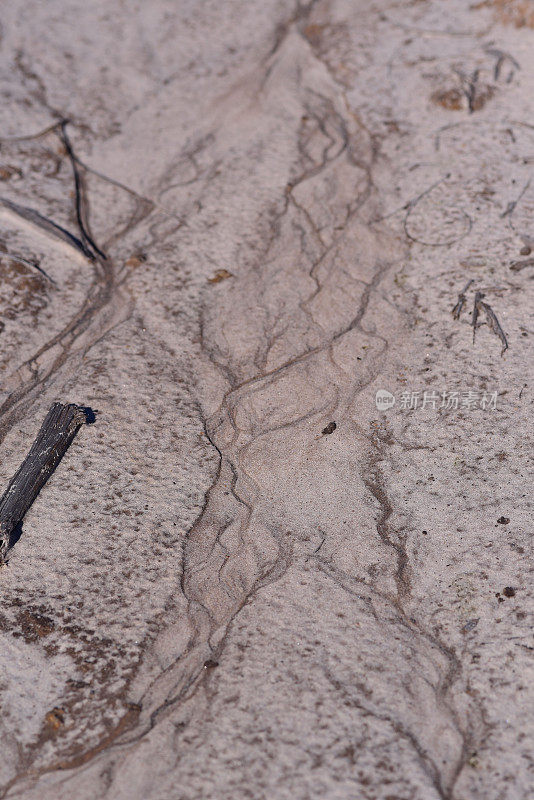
57,432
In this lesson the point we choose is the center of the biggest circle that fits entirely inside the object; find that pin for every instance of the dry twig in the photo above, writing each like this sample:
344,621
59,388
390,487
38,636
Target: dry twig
47,225
457,310
492,321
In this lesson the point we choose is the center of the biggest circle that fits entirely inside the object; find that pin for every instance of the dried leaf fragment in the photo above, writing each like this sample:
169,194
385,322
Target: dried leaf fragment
220,275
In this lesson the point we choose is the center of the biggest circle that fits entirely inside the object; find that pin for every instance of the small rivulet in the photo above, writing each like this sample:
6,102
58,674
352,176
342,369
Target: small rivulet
56,433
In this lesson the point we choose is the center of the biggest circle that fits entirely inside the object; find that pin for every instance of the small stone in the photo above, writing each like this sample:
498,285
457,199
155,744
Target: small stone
330,428
473,760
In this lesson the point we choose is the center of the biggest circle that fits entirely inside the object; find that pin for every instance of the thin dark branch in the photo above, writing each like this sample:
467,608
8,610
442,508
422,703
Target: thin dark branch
46,224
510,208
31,136
29,263
476,311
410,203
78,187
501,58
457,310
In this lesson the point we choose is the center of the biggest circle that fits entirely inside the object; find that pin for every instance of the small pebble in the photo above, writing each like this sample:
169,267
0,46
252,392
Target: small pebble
330,428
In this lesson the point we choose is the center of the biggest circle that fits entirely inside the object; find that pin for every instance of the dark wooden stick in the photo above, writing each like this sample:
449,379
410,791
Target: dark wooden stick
57,432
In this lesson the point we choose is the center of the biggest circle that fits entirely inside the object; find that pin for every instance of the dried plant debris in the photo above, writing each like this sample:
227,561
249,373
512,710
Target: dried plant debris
510,208
457,310
479,307
220,275
517,266
48,225
85,244
476,93
476,311
503,58
470,625
495,326
491,318
33,264
80,205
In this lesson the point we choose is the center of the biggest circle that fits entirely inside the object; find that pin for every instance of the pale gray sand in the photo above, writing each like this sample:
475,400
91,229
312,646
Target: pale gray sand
211,598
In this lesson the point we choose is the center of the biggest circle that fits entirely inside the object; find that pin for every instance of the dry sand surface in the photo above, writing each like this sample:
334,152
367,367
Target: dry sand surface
245,580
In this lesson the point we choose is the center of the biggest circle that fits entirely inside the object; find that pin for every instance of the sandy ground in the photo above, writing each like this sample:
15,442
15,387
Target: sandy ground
246,580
